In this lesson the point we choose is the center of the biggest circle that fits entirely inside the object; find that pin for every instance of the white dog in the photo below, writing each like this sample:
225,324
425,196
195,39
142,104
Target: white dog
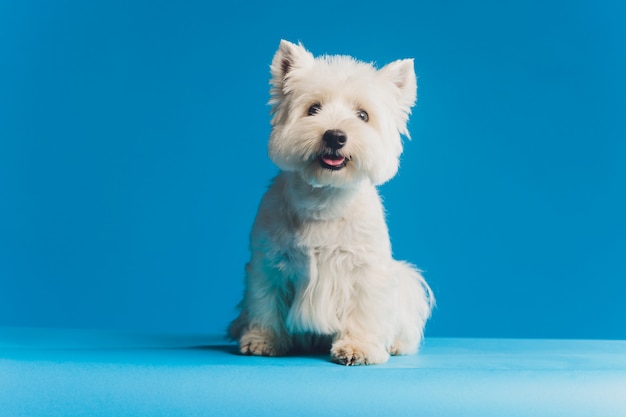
321,273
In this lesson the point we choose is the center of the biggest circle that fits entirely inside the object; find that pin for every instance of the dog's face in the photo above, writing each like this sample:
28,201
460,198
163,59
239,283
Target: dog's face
338,121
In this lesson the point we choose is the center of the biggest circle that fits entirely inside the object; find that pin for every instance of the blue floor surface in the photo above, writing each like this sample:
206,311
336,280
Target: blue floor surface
51,372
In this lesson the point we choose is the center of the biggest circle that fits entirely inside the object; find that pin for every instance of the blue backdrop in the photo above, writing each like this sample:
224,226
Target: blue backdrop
133,156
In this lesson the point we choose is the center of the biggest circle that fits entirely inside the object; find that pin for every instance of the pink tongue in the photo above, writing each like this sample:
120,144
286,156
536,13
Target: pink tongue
333,162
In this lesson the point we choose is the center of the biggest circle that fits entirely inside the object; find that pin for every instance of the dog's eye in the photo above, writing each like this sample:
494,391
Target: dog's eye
362,114
314,109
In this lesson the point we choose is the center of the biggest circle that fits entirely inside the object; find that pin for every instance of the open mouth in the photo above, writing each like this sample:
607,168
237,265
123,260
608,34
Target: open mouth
332,161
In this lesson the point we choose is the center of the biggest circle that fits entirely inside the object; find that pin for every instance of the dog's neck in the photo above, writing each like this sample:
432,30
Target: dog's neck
318,203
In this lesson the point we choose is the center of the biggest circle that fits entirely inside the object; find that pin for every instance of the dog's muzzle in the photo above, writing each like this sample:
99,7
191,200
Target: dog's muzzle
334,139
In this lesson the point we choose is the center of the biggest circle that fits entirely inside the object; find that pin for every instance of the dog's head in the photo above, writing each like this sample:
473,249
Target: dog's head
337,121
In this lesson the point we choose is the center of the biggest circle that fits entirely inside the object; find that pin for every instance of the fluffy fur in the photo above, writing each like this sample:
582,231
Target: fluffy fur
321,273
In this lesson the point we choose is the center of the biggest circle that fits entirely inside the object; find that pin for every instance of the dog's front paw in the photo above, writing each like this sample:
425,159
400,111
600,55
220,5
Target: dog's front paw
260,342
347,352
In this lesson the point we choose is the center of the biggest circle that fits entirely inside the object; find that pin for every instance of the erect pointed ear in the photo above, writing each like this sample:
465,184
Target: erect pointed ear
288,57
402,75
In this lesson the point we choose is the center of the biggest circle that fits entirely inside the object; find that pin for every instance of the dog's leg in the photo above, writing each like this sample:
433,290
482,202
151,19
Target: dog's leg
366,331
261,341
352,350
261,329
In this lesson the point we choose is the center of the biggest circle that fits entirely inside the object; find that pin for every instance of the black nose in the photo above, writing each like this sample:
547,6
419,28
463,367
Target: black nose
335,138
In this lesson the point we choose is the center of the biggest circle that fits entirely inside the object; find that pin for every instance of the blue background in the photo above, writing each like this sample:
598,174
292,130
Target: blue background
133,156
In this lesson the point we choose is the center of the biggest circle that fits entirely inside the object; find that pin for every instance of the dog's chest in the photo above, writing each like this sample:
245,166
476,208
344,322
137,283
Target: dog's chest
337,246
314,248
322,280
323,234
327,258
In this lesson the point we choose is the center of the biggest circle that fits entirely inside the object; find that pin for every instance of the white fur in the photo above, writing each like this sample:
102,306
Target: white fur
321,273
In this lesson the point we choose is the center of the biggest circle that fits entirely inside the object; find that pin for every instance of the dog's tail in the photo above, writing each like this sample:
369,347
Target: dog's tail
416,302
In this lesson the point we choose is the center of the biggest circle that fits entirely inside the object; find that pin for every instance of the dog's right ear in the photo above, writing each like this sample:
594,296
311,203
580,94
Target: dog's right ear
288,57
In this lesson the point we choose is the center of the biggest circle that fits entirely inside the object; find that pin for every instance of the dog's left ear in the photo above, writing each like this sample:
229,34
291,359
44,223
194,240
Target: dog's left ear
402,75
